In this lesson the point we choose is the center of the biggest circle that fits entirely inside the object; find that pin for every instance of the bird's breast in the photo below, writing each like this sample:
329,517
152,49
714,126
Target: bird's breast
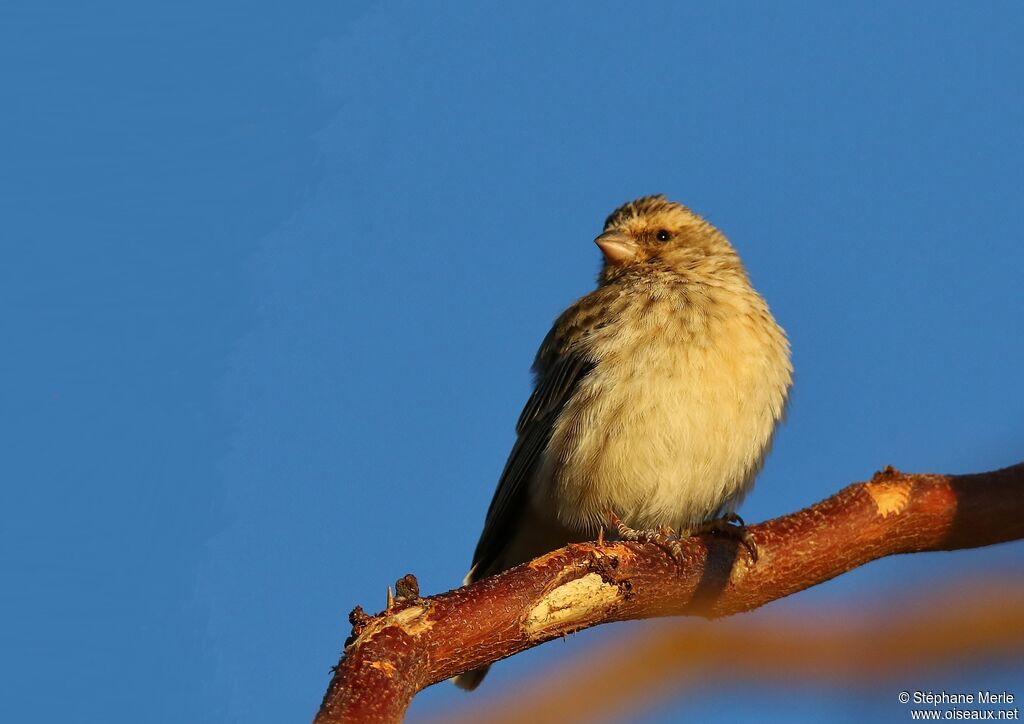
674,421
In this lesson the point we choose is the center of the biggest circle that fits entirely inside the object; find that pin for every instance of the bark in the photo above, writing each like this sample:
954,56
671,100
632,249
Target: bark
418,641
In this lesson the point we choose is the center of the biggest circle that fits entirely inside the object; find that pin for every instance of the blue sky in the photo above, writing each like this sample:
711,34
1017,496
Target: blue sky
272,281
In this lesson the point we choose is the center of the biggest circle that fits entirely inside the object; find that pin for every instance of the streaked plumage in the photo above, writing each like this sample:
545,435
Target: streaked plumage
656,395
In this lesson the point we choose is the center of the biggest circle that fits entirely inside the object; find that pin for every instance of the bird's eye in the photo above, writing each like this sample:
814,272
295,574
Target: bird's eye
663,235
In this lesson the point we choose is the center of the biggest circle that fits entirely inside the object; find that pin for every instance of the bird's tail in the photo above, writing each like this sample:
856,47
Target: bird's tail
471,679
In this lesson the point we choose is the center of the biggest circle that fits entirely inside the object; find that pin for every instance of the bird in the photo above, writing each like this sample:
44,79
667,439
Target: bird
655,398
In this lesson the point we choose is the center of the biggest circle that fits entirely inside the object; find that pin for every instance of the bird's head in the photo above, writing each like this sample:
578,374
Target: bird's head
655,233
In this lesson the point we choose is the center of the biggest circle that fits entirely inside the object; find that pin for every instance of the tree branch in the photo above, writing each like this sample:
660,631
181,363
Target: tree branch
420,641
967,621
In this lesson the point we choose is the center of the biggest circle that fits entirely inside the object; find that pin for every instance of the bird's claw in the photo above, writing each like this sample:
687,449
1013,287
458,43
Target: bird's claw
664,537
731,526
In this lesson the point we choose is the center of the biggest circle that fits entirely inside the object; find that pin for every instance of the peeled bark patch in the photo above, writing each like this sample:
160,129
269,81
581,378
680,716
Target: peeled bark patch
571,604
889,498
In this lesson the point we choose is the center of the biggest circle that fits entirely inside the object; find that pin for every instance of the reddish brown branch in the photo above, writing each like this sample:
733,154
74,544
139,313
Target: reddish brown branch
864,644
421,641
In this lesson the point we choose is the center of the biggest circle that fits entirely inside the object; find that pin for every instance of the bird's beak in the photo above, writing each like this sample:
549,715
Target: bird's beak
618,248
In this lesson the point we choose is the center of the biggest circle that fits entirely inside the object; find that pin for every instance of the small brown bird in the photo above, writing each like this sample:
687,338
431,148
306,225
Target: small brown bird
655,397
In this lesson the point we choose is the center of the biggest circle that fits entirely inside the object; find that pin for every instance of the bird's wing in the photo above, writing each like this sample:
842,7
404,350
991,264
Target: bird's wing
555,386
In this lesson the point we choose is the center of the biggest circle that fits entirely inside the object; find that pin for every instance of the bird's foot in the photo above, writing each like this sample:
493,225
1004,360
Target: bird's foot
730,526
665,538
